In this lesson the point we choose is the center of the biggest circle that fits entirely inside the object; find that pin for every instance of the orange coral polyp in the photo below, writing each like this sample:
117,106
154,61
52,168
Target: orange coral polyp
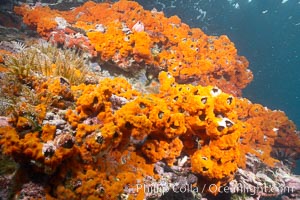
111,145
214,129
142,45
175,126
165,43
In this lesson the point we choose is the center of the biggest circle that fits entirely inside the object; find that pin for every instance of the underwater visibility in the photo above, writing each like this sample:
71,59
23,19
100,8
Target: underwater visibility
157,99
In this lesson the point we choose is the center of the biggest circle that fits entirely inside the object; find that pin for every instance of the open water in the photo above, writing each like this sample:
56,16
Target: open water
267,32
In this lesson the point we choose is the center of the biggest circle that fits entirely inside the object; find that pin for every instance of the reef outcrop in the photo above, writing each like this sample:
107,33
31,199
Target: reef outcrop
86,136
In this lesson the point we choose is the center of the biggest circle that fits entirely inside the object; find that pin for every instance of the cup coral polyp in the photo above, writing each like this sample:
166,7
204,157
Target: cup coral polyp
163,43
110,118
101,139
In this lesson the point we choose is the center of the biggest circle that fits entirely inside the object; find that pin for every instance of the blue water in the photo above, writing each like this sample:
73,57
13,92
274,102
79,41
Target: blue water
266,32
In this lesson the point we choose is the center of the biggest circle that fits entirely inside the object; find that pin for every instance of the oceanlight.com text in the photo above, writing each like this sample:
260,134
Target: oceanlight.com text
156,188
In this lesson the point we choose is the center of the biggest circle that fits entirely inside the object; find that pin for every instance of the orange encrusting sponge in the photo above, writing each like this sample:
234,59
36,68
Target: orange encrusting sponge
107,137
129,36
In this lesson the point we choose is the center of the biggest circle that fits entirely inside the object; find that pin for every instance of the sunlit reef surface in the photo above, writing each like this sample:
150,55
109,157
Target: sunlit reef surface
143,106
266,32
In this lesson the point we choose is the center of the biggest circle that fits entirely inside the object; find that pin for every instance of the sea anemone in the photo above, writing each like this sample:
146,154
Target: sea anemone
46,60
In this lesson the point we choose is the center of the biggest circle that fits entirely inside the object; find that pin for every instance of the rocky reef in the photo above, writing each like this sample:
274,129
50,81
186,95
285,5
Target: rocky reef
112,101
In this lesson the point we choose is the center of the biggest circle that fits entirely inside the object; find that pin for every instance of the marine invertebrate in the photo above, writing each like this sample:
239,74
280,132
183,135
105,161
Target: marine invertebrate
48,60
12,46
159,42
201,123
263,131
159,150
100,139
138,27
48,23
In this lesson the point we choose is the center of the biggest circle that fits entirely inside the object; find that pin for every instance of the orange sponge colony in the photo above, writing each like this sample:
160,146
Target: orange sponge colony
267,134
210,119
112,136
110,117
131,37
102,139
161,124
